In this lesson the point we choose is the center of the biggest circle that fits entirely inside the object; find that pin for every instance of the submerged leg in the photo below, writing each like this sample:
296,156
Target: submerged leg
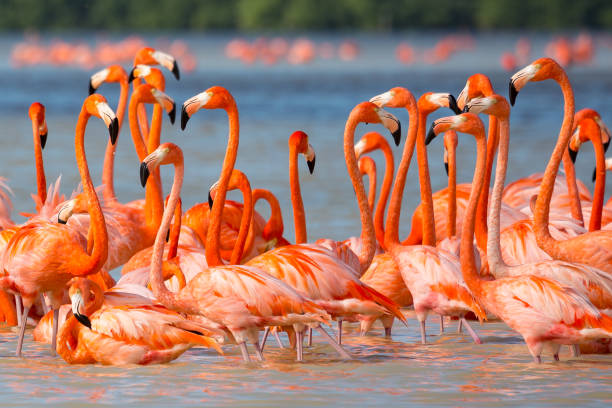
537,359
54,335
575,350
245,352
340,331
387,332
310,337
460,326
265,337
18,309
333,343
471,331
24,320
556,356
300,346
423,335
278,339
258,351
441,324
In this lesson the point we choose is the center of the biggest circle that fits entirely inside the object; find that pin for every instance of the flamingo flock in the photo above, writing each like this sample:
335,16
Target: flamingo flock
219,274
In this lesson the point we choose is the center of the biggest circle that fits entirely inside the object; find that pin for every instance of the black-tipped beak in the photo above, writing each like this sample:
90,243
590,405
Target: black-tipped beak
168,236
172,113
606,145
311,164
144,173
397,135
452,104
60,221
210,200
92,90
512,93
594,177
184,118
431,135
573,154
466,108
131,77
175,71
446,168
113,130
84,320
43,140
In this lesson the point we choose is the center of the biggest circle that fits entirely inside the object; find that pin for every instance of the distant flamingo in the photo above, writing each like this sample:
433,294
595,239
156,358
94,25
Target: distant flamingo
432,275
593,248
541,310
42,256
126,333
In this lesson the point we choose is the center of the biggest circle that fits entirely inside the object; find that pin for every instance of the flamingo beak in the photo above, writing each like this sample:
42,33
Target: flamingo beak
452,104
97,79
594,177
210,200
110,119
144,173
43,134
175,71
512,92
65,212
193,104
431,135
184,118
132,76
311,159
573,154
392,124
167,61
92,90
606,145
172,113
77,300
446,168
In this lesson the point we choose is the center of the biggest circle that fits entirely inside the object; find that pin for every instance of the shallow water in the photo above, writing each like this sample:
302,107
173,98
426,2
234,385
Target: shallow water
273,102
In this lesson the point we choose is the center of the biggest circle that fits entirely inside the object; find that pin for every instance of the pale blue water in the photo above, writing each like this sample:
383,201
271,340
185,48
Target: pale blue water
273,102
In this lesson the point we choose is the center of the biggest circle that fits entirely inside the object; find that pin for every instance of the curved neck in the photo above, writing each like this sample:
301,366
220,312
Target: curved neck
371,173
299,216
572,188
91,263
162,294
143,121
467,259
429,224
544,239
109,157
494,254
246,225
483,203
600,184
98,298
213,256
379,214
395,204
41,181
274,227
452,192
366,254
175,231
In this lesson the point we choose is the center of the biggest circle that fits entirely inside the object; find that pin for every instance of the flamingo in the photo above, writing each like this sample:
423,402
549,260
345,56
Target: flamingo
315,269
42,256
431,274
273,230
142,333
592,248
541,310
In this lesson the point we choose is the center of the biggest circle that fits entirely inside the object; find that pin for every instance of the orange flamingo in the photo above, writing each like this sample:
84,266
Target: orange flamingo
541,310
432,275
127,333
316,270
42,256
593,248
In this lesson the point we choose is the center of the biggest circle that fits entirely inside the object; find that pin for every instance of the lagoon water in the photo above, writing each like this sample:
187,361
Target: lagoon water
273,102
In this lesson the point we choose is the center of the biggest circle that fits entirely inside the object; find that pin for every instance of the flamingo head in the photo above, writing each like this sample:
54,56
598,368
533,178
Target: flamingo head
215,97
147,93
81,296
37,115
96,105
113,73
299,141
430,102
151,75
150,56
586,129
466,123
369,142
238,181
593,114
539,70
369,112
477,85
495,105
366,165
166,153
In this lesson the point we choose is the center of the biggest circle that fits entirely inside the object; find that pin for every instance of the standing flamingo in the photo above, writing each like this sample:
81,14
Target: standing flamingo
541,310
432,275
593,248
42,256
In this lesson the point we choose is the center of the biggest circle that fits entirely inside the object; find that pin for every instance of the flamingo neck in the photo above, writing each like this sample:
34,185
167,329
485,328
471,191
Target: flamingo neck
109,157
572,188
213,256
494,254
379,214
299,216
99,252
175,231
143,121
366,253
98,298
600,183
41,181
452,192
429,224
542,209
274,227
483,203
244,245
154,195
371,173
395,204
468,260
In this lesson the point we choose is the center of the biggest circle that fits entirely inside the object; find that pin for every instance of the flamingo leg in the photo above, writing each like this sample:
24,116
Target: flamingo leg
387,332
265,337
278,339
423,334
340,331
24,319
471,331
45,306
333,343
54,335
258,351
18,309
460,326
575,350
556,357
441,324
300,346
310,337
245,352
537,359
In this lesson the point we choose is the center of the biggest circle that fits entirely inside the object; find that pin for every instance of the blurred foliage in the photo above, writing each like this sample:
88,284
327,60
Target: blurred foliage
303,14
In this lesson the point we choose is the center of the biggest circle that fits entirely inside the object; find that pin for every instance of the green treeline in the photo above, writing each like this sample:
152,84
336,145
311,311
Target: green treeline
375,15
